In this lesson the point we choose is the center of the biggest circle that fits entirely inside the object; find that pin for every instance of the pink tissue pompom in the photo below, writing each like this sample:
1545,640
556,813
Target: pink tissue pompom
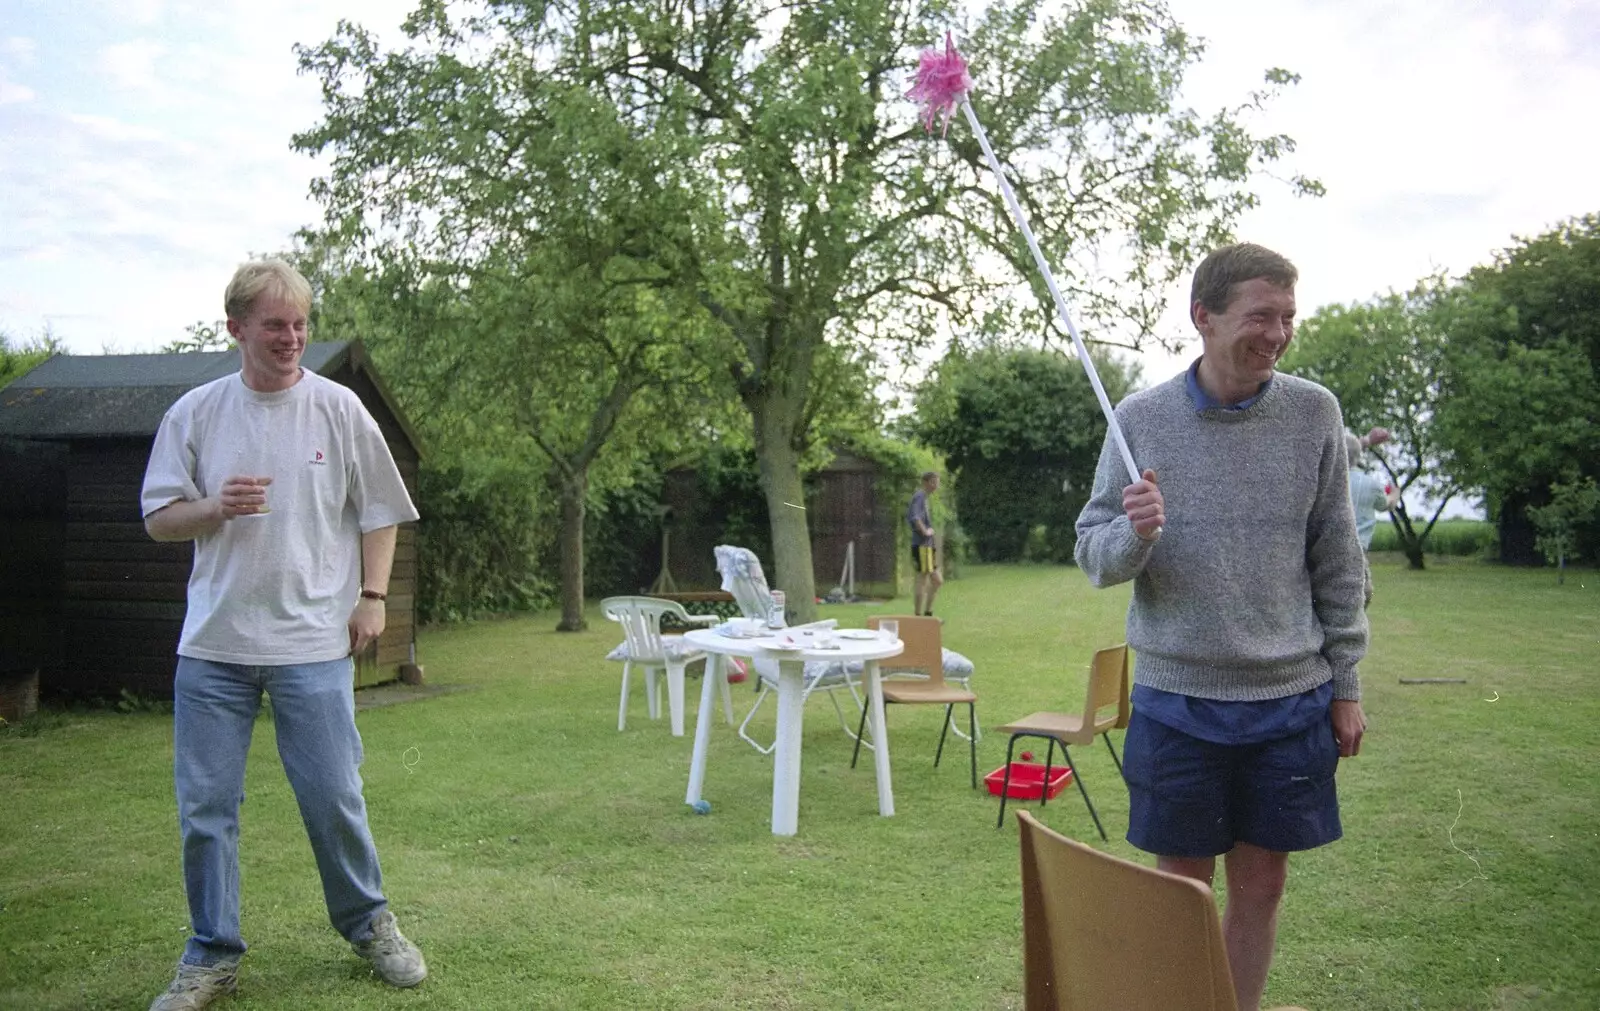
941,81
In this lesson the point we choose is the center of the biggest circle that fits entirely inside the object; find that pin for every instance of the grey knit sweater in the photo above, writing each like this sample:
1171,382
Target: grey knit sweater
1254,589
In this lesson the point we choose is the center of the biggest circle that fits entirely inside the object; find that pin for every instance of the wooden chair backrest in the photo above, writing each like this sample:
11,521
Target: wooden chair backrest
1104,934
924,652
1106,706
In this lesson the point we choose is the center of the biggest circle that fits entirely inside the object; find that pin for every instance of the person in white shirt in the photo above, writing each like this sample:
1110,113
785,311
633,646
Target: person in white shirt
284,483
1368,495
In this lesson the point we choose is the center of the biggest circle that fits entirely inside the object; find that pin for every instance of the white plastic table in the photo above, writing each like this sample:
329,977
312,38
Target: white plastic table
791,710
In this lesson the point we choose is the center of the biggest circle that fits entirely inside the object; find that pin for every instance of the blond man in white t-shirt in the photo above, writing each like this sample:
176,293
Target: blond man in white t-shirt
285,485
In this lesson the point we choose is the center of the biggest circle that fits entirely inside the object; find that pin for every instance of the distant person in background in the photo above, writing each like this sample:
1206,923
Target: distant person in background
1368,495
924,551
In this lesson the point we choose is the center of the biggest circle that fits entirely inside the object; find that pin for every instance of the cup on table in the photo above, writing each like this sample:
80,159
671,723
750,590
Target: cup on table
889,628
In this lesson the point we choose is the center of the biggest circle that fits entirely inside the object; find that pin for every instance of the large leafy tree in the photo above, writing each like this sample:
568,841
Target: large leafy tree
1022,431
832,216
1521,396
489,522
1383,359
544,214
19,354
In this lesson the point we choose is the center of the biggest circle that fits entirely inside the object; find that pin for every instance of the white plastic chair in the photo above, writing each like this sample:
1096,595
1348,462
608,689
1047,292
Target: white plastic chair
644,646
742,576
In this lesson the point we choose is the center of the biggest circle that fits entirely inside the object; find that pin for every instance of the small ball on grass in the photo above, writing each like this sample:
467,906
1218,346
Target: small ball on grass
1027,756
701,807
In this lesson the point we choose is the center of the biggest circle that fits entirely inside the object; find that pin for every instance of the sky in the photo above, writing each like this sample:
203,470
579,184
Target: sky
144,144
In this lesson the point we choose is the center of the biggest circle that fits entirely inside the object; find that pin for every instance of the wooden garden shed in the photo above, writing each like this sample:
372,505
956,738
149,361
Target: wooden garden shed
85,595
845,504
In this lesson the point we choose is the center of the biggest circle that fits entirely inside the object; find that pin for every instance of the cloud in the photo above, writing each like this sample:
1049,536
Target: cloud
133,65
14,94
1440,131
139,12
147,153
1419,209
114,130
15,51
19,49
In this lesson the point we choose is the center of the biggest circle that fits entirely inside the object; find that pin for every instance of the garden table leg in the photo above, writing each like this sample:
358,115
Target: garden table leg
702,728
786,749
880,739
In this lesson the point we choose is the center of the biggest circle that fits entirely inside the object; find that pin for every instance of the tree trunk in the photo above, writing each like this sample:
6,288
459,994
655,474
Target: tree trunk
1413,549
573,492
1410,543
777,418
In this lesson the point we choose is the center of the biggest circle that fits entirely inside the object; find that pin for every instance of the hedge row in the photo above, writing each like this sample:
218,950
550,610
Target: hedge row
1461,537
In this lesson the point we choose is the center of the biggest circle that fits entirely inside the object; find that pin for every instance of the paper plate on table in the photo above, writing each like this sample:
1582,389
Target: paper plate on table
861,634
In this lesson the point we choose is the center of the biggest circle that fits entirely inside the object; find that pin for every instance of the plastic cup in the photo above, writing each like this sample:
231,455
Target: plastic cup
266,507
253,463
889,628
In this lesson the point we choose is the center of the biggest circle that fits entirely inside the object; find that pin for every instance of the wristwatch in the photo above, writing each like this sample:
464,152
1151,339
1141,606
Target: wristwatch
367,594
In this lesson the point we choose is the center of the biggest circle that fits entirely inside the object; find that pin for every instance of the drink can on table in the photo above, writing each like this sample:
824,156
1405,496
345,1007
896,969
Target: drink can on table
776,617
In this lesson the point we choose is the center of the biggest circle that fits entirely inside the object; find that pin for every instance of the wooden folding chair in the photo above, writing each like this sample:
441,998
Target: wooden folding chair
1105,709
1105,934
924,656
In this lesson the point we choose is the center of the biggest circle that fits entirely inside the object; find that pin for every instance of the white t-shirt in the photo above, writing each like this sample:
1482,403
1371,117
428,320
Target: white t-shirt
1367,497
276,588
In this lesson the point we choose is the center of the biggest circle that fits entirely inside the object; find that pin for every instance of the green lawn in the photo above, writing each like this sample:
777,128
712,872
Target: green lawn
542,860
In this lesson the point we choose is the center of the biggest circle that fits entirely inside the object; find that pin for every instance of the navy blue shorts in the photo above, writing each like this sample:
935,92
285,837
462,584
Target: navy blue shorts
1191,798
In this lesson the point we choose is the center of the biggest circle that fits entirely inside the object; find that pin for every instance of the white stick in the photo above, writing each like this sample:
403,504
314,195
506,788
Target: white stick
1050,282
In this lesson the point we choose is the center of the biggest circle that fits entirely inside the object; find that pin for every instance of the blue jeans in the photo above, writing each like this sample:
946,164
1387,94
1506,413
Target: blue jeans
313,710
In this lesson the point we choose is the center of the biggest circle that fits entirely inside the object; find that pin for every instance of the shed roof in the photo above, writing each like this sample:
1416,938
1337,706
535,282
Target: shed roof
111,396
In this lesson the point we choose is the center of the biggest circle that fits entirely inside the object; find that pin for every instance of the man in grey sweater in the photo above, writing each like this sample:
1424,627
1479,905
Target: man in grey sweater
1247,611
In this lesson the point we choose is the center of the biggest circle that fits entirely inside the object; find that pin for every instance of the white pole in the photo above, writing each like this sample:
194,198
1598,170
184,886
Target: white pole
1050,282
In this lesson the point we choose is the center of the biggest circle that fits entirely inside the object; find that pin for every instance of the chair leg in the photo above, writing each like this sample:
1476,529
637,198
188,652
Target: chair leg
861,728
944,728
761,696
652,694
622,710
955,727
1005,784
675,676
1084,790
1049,760
972,741
1107,738
833,696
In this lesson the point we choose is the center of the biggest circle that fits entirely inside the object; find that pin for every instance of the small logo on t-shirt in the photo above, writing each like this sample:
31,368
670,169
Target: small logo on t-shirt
318,460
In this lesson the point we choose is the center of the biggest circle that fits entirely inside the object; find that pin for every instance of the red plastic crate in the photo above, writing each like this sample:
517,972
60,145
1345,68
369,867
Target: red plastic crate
1027,780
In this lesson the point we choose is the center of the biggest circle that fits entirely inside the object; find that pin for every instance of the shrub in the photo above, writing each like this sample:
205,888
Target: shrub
484,531
1458,537
622,538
